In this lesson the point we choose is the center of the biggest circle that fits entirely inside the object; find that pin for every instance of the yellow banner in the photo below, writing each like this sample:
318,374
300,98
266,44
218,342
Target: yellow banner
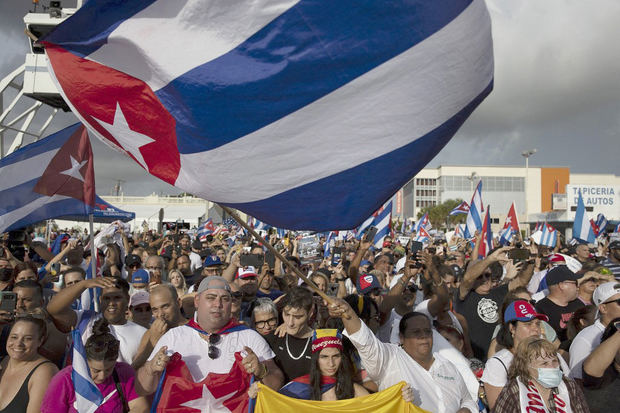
387,401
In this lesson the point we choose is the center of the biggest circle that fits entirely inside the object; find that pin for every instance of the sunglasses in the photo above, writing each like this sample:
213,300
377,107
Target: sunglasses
214,352
141,309
617,301
135,265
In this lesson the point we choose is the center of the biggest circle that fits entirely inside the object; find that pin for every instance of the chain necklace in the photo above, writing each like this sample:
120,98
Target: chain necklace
303,351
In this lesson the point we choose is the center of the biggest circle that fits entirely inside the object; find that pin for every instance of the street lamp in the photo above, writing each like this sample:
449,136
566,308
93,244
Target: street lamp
526,155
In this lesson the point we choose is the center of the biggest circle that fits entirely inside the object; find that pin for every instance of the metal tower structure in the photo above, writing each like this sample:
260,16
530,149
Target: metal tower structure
29,99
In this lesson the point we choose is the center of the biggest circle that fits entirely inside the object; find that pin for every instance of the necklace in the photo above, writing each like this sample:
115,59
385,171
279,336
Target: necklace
302,352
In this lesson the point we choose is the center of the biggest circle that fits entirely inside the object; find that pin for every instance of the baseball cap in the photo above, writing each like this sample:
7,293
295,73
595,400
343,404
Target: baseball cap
132,259
245,272
213,282
197,244
367,283
140,276
556,259
614,245
605,291
211,261
559,274
139,297
521,310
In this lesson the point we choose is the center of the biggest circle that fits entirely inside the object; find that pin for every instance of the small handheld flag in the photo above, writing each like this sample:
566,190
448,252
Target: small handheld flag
88,398
462,208
473,222
582,229
549,236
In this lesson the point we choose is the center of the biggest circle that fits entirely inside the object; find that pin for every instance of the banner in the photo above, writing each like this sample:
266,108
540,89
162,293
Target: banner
387,401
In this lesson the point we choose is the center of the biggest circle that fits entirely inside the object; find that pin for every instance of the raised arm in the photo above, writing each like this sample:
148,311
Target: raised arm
357,259
59,308
602,357
475,270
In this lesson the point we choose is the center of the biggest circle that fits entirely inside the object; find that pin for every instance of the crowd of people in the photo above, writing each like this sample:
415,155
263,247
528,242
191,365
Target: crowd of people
525,328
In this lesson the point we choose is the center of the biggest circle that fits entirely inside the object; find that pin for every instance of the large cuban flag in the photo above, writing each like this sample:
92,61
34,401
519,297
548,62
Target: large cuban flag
305,114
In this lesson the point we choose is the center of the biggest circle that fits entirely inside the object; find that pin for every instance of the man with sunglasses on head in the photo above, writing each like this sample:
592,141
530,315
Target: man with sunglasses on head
209,341
479,302
606,298
436,382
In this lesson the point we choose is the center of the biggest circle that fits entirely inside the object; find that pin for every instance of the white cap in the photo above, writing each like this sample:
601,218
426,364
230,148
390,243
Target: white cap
605,291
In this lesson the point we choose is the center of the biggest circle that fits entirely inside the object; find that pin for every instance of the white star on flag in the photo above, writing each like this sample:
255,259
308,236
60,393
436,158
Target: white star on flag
130,140
508,220
208,403
74,171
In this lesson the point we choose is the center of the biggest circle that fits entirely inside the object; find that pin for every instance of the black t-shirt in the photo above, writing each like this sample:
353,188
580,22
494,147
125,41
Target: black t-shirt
482,315
602,392
293,359
558,315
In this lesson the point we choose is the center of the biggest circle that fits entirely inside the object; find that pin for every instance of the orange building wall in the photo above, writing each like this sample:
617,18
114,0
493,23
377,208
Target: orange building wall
550,178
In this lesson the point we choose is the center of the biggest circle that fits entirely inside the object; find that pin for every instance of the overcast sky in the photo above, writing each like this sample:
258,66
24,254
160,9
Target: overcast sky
557,89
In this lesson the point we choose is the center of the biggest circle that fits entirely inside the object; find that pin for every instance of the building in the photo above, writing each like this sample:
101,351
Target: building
539,193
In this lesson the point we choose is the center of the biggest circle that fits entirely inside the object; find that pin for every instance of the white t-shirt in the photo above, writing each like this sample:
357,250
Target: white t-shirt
583,344
194,349
441,389
195,261
129,334
423,308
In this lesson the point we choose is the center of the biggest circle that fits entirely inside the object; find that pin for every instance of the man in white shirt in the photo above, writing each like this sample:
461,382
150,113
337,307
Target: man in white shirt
208,343
437,385
605,298
114,304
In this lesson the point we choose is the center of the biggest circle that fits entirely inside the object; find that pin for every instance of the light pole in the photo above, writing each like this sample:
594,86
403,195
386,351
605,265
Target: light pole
526,155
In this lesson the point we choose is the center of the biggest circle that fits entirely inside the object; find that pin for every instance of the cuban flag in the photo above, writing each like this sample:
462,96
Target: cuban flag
365,225
459,231
423,222
538,227
207,228
486,243
617,229
511,226
88,398
582,229
188,88
261,226
462,208
549,236
49,178
383,223
327,247
423,236
473,222
599,225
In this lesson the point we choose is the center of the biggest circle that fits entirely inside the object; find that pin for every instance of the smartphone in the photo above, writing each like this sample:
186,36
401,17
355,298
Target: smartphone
55,269
370,234
414,247
8,301
519,254
336,255
270,259
254,260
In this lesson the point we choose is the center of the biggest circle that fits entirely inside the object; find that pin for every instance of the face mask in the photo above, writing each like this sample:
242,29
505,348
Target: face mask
550,377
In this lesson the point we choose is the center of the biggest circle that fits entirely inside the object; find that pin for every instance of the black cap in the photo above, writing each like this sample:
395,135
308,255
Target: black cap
197,244
561,273
131,259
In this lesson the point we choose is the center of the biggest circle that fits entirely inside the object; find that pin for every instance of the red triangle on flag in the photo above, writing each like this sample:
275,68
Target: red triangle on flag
71,172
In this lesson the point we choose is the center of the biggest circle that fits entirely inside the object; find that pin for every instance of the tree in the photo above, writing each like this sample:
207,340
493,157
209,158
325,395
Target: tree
439,214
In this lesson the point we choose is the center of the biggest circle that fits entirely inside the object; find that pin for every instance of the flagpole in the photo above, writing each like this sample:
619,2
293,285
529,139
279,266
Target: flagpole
93,255
275,252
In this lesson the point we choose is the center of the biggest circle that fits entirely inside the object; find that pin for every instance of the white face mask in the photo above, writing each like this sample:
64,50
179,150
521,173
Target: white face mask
549,377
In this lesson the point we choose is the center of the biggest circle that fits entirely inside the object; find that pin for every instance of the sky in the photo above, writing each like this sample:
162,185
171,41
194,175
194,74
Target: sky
556,89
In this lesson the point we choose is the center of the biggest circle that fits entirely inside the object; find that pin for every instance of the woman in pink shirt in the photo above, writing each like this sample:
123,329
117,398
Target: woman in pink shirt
115,380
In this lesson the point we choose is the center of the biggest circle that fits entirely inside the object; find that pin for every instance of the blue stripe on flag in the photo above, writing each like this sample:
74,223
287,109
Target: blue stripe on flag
359,201
87,394
348,29
51,210
49,143
97,20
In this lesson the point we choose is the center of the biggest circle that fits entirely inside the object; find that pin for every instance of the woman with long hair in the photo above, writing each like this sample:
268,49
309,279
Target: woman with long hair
115,380
536,382
331,372
178,282
24,373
